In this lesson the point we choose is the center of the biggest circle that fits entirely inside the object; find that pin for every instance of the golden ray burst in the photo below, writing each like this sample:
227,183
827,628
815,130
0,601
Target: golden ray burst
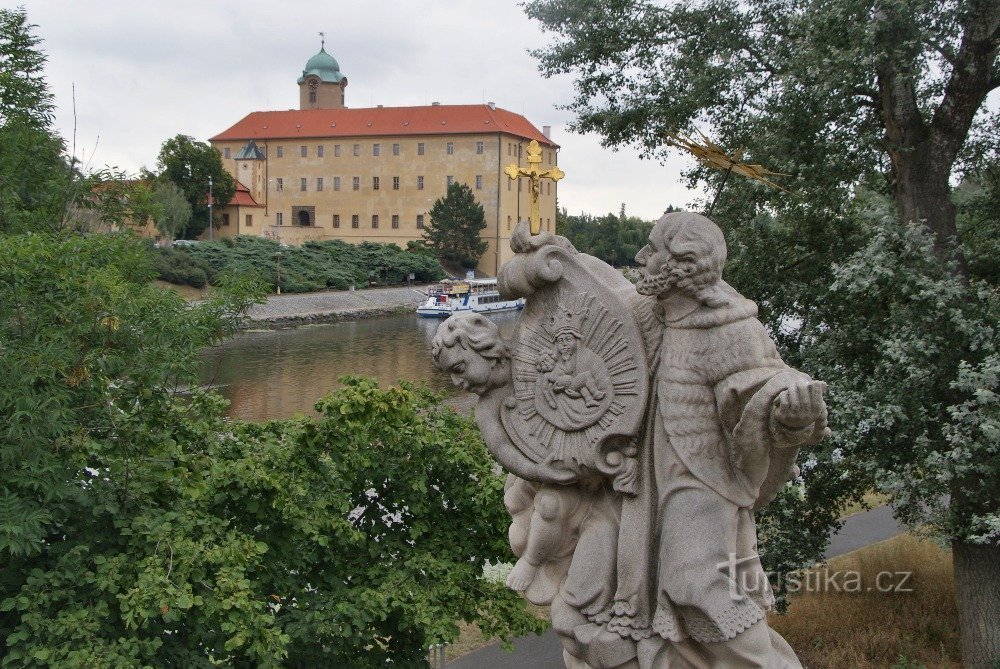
712,155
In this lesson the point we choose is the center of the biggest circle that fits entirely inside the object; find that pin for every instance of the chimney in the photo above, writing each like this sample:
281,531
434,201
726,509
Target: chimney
492,105
547,131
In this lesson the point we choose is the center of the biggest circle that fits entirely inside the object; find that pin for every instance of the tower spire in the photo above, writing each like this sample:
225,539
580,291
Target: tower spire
322,40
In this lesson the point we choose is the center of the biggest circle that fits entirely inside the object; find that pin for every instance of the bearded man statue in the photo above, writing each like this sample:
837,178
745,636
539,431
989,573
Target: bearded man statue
726,418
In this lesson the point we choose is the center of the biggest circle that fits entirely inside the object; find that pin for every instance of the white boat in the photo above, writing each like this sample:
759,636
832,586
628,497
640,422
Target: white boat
454,297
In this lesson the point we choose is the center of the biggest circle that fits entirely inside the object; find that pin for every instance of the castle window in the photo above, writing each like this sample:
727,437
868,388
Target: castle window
280,152
420,148
374,220
355,221
451,148
336,220
249,220
356,183
479,147
319,183
336,150
479,182
312,96
395,183
395,221
451,180
226,152
302,183
548,188
279,184
319,151
336,183
420,221
508,222
279,218
375,182
357,149
376,149
395,149
225,220
304,151
508,184
420,183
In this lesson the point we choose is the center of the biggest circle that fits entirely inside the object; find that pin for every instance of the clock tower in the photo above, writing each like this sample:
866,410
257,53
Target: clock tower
322,85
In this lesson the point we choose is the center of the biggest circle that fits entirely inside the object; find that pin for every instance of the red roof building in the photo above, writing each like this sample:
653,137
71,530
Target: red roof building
326,171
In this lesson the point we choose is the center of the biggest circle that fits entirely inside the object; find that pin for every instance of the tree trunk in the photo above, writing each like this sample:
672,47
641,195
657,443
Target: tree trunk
977,579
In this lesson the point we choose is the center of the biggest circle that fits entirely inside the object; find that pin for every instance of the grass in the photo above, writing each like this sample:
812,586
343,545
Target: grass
869,501
471,637
871,629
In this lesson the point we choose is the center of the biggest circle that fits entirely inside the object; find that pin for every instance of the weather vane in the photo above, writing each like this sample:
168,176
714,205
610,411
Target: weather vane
712,155
322,40
533,172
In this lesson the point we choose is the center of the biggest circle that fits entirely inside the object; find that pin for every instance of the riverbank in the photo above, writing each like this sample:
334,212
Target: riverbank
284,311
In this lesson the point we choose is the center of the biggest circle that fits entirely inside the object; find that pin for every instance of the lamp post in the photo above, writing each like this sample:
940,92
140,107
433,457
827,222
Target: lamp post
277,258
209,208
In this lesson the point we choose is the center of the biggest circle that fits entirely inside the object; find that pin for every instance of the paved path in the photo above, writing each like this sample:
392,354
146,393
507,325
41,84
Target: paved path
335,304
545,651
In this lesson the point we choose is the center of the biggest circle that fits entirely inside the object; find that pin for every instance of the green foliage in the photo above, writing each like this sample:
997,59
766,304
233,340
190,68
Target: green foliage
455,223
316,265
797,86
35,181
175,266
172,210
140,527
189,164
911,353
612,238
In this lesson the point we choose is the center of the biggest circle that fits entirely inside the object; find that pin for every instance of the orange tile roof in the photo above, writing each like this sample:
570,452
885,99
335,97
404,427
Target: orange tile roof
242,197
382,121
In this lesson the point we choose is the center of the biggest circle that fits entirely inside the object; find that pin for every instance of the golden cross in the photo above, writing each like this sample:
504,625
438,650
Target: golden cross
533,172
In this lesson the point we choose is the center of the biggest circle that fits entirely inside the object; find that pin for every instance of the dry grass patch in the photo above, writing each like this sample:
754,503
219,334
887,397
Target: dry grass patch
471,637
870,500
874,630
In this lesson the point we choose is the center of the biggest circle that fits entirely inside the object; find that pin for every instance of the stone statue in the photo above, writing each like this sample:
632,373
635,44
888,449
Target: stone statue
641,426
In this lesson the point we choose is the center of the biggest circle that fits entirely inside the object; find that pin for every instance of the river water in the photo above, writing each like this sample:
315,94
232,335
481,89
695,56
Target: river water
279,373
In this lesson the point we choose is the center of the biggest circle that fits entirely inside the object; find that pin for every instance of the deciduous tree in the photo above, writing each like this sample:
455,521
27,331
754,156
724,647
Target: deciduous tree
874,108
189,164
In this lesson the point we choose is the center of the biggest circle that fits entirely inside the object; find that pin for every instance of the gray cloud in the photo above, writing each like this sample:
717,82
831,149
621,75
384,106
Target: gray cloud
144,72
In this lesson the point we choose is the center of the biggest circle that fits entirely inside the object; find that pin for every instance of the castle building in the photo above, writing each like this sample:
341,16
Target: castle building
326,171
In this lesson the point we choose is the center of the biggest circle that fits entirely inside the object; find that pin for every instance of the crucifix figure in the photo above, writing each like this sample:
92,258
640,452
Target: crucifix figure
533,172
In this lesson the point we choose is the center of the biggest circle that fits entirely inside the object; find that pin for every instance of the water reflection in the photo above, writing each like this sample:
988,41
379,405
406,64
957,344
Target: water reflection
276,374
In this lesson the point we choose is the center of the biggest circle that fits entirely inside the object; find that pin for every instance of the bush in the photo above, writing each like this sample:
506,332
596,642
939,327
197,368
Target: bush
139,527
177,267
316,265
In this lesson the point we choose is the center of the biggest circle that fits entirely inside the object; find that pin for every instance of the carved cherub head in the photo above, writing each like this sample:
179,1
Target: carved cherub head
469,348
686,251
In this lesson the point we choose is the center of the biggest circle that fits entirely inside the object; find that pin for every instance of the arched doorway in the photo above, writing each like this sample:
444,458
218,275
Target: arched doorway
304,217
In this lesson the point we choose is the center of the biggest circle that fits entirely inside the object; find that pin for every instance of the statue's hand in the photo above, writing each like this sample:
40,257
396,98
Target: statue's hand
800,406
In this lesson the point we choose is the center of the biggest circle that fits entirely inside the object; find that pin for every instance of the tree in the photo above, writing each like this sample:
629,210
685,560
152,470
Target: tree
455,223
189,164
173,210
141,527
863,103
35,181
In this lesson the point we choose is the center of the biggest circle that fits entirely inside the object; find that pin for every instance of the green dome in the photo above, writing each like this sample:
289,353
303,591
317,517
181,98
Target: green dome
324,66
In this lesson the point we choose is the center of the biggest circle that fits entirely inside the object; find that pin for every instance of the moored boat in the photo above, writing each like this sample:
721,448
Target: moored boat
476,295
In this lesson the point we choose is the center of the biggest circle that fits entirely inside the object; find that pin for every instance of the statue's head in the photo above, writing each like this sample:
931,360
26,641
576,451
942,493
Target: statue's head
686,252
470,349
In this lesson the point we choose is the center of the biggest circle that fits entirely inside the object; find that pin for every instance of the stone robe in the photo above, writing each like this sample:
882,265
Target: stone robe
687,561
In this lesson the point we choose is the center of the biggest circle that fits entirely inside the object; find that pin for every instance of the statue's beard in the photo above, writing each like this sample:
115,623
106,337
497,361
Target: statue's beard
654,284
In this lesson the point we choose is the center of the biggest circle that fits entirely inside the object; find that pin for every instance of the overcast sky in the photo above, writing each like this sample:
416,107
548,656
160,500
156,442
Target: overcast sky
146,71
